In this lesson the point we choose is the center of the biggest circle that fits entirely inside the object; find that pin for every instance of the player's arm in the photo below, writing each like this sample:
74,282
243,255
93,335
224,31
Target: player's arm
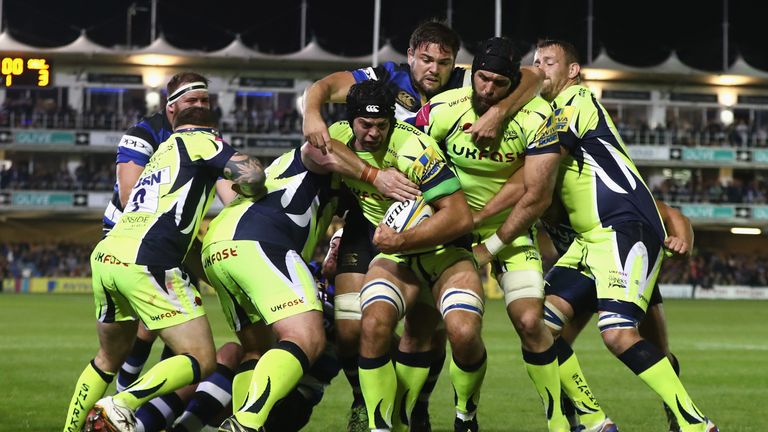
487,127
225,191
332,88
341,160
508,196
452,219
128,174
679,229
246,173
539,175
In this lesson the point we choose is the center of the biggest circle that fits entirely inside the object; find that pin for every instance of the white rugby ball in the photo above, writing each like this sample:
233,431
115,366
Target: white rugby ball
401,216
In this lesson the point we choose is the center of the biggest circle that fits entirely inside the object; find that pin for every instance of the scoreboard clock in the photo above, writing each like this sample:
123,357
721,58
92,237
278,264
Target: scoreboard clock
25,71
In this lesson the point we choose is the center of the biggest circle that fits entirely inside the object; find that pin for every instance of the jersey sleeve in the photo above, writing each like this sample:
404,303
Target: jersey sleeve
137,145
430,172
555,132
371,73
341,131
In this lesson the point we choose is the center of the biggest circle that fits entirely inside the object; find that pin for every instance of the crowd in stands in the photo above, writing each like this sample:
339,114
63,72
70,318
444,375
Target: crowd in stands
83,178
51,259
714,134
733,191
709,268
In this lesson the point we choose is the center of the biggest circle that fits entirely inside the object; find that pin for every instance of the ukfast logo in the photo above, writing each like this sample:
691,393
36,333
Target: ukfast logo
163,176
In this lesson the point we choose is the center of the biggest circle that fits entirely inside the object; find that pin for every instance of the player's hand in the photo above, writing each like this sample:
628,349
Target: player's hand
485,130
316,132
387,240
394,184
482,256
677,245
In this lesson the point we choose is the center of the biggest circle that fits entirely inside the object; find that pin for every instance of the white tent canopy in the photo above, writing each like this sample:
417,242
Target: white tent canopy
83,45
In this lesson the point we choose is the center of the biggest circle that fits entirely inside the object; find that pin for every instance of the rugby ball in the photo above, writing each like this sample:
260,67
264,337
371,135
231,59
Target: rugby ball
401,216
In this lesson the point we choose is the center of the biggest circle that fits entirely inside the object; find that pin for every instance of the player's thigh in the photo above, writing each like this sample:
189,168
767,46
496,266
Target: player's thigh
220,265
111,305
625,261
390,281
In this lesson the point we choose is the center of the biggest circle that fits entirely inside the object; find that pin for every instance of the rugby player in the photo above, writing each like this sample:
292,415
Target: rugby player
430,70
255,254
580,155
137,272
483,171
439,276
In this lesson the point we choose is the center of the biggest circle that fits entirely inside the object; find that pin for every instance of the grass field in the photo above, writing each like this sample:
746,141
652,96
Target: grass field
45,341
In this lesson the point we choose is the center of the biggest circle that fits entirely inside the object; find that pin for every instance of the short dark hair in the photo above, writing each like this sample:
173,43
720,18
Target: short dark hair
181,78
197,116
367,93
436,32
571,53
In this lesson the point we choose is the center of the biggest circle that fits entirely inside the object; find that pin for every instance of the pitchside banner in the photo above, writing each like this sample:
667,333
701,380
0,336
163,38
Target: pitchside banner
60,285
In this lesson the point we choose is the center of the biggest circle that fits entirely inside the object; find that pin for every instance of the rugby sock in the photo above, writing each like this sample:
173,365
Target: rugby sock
569,411
378,383
211,397
421,409
575,385
412,370
132,367
543,370
241,383
349,366
90,387
650,364
159,413
164,377
275,375
467,380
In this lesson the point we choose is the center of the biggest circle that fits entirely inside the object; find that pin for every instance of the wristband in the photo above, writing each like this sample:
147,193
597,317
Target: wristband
494,244
369,174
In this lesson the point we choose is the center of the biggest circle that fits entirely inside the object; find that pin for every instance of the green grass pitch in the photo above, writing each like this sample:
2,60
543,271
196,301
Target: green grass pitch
46,340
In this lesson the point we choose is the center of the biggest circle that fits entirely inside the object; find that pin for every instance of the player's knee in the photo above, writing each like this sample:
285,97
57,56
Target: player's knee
461,300
519,284
347,306
616,329
376,327
528,325
382,291
229,355
554,318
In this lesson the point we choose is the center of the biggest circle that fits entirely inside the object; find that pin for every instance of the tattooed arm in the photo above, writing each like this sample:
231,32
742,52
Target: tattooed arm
247,174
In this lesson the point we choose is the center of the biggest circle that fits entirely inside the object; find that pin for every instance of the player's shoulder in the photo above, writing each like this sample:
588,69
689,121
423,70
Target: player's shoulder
453,97
575,95
537,108
341,130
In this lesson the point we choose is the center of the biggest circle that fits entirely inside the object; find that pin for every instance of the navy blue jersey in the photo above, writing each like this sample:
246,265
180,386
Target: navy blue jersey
399,77
294,213
137,145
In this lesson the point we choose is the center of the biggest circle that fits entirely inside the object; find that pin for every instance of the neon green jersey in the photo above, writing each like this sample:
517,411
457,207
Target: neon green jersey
170,199
598,182
408,150
481,171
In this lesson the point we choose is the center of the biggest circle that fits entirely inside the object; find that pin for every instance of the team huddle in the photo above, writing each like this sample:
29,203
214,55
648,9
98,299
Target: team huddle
490,151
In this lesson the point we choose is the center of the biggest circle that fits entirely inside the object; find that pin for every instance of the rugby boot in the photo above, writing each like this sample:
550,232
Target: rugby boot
107,416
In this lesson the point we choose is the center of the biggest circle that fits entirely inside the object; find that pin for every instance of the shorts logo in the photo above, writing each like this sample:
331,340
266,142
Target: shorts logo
219,256
350,259
165,315
286,305
108,259
617,279
372,108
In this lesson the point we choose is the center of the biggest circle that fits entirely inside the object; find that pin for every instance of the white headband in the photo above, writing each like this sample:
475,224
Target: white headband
186,88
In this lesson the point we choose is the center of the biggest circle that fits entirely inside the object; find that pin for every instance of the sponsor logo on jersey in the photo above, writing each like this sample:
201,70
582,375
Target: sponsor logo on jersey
422,117
478,154
364,195
558,122
162,176
406,100
453,103
429,164
219,256
286,305
136,143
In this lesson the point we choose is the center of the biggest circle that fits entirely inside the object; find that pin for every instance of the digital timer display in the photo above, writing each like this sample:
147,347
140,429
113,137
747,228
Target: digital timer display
25,72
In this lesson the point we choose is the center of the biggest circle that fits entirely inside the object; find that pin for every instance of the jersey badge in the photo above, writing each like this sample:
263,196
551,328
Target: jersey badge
406,100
